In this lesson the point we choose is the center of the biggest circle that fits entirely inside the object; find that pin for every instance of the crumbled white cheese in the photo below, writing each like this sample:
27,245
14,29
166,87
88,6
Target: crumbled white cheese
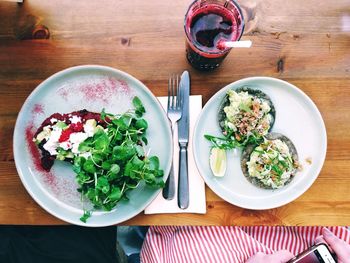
75,119
65,145
52,142
76,139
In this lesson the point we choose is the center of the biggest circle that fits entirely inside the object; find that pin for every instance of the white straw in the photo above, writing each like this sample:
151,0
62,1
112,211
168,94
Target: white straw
242,43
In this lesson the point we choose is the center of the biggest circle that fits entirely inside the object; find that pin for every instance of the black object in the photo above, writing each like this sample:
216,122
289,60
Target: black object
61,244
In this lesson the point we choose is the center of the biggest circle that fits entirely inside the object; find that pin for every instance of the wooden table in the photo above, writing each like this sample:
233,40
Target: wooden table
304,42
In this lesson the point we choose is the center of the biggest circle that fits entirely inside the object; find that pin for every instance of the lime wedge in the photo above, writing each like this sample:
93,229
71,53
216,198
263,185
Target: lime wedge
218,161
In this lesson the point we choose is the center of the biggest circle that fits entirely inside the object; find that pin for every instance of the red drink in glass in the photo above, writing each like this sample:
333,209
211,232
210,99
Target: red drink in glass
209,23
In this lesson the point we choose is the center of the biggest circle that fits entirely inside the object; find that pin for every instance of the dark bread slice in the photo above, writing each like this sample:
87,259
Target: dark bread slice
247,151
253,92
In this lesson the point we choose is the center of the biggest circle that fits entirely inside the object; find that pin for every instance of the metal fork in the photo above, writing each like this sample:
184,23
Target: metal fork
174,113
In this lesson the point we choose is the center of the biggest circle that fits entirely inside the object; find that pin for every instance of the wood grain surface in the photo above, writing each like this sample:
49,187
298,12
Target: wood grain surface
306,43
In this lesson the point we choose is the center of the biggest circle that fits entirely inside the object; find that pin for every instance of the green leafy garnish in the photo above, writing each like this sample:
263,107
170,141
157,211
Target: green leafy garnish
104,115
139,109
116,161
222,142
277,169
85,216
228,142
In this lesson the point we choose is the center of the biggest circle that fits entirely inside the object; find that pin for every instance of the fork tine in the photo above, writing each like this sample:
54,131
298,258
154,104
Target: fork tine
169,85
178,94
173,92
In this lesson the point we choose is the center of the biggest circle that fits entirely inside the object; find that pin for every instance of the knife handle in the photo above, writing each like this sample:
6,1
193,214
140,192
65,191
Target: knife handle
169,188
183,189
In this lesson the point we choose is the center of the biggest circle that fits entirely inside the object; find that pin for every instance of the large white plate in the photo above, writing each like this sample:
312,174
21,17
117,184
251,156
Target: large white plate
297,117
92,88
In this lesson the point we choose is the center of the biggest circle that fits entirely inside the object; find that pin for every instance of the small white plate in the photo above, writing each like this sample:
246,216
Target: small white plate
92,88
297,117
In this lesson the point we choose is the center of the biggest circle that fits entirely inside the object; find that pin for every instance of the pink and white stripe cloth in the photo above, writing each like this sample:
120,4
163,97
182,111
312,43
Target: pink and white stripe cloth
202,244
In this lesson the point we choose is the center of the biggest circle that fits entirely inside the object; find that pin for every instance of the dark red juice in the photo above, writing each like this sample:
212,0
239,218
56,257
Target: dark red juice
206,28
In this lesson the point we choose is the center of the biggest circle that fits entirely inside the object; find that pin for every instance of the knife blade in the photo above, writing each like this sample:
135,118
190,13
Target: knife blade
183,135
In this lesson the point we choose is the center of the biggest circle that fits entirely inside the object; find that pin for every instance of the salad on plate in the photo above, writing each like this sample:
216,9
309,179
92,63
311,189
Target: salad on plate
107,153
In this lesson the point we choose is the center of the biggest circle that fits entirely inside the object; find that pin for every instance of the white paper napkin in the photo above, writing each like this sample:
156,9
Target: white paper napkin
197,202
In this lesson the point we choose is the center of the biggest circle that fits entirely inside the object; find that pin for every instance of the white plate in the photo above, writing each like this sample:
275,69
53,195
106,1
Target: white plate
92,88
297,117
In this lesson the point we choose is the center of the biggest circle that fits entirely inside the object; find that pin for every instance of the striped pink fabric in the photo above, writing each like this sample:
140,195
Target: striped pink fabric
173,244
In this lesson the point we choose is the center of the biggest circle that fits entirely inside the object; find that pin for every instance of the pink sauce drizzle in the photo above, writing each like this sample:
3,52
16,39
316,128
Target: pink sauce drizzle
38,109
63,93
102,90
124,86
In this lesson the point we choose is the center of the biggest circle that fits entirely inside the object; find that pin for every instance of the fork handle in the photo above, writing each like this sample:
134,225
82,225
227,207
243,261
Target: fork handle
183,189
169,188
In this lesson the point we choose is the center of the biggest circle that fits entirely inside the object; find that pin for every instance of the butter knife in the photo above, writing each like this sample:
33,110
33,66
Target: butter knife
183,135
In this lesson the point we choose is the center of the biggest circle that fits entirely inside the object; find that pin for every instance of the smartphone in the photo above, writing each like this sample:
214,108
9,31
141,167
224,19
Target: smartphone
316,254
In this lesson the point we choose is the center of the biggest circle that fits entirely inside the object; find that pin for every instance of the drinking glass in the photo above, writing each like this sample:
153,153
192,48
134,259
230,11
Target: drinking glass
208,24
